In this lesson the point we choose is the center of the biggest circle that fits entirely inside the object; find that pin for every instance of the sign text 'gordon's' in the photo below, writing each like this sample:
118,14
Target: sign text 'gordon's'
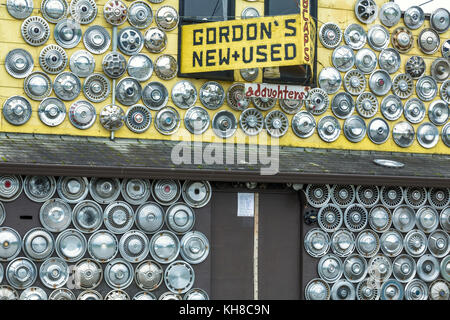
240,44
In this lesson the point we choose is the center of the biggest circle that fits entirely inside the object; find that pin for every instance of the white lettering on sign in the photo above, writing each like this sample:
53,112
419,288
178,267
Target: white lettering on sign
246,204
276,91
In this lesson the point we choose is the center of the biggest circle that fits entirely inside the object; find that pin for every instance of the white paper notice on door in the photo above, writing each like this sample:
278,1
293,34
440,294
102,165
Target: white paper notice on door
246,204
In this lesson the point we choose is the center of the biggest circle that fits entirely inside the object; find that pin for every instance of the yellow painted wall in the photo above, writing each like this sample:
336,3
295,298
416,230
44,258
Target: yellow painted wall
338,11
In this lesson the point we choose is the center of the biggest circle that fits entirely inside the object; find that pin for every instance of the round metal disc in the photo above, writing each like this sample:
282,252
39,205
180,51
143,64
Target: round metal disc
391,107
224,124
21,273
10,244
194,247
90,295
317,243
380,268
368,289
416,290
166,192
343,58
445,49
128,91
403,85
367,243
414,17
54,10
438,112
196,120
342,242
149,217
438,243
19,9
52,111
402,39
439,197
54,273
366,60
415,66
378,130
318,195
140,14
166,18
251,121
354,82
426,88
355,36
55,215
392,290
83,11
96,87
179,277
380,218
291,106
391,243
138,118
155,40
440,20
343,289
236,97
144,295
440,69
367,104
62,294
35,31
427,219
249,13
391,196
167,120
87,216
415,197
115,12
37,85
2,214
118,217
446,134
19,63
117,295
166,67
330,35
33,293
149,275
414,110
164,247
133,246
415,243
103,246
17,110
355,217
330,268
72,189
211,95
276,123
264,104
71,245
445,268
366,11
249,74
53,59
330,218
389,60
130,40
196,193
114,64
96,39
445,219
104,190
404,268
67,33
39,188
8,293
317,101
180,218
428,41
155,95
67,86
111,117
119,274
355,268
380,82
303,124
184,94
328,128
390,14
10,187
135,191
427,135
196,294
404,218
329,80
439,290
378,37
342,105
343,195
403,134
82,63
140,66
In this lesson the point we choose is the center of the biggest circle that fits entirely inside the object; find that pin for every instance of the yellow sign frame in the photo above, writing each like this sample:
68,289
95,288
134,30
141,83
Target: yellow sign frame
239,44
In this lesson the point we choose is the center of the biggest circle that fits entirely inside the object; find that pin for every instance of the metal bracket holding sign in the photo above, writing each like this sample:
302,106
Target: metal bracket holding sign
276,91
240,44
